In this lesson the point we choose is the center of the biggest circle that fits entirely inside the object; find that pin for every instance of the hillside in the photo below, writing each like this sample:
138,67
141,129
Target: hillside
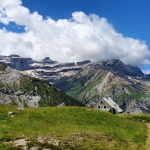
20,90
69,128
125,84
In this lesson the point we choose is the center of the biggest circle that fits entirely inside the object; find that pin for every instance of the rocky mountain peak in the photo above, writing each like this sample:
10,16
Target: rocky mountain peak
113,62
117,66
13,55
47,60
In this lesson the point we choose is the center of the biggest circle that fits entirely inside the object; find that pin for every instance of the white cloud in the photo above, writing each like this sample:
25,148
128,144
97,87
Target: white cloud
78,38
146,71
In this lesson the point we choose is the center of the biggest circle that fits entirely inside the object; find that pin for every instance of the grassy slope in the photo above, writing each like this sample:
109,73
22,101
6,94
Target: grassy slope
98,130
81,92
85,83
137,117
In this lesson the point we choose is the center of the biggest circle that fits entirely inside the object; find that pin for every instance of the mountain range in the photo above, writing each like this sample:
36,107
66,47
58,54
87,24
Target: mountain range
88,81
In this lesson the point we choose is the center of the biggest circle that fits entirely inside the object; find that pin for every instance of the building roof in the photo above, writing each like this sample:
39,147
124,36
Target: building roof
112,104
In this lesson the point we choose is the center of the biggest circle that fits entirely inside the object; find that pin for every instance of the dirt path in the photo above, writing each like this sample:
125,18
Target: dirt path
148,138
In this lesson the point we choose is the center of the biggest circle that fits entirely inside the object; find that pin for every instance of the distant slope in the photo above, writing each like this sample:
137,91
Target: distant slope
17,89
70,128
125,84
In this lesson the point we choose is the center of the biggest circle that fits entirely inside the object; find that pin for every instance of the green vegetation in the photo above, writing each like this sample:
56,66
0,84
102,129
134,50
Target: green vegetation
50,96
137,117
79,91
121,97
2,67
27,86
75,128
136,94
122,92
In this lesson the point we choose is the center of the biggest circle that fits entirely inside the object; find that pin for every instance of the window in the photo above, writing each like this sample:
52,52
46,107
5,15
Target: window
99,107
101,102
104,107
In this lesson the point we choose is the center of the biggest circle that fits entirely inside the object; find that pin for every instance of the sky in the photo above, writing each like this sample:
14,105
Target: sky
75,30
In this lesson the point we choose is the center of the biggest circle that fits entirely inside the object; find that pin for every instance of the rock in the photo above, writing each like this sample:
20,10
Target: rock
147,76
53,142
11,114
20,63
20,109
83,62
118,66
133,106
50,141
61,105
20,142
47,60
34,148
14,56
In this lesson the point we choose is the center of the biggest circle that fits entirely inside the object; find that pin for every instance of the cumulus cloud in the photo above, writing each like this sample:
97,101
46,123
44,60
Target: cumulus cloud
78,38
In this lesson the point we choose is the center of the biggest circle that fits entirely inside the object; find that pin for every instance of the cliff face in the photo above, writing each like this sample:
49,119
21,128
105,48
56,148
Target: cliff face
20,63
46,69
119,67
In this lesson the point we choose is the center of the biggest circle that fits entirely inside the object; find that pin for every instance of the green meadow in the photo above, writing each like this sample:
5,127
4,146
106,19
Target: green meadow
74,128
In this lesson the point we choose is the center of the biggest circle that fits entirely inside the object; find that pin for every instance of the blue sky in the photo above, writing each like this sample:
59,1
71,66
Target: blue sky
128,17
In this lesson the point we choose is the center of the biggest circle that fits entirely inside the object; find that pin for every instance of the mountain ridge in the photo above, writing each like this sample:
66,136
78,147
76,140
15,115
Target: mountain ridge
89,81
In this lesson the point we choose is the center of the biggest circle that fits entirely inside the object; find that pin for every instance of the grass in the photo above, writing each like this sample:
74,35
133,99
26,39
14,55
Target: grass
75,127
137,117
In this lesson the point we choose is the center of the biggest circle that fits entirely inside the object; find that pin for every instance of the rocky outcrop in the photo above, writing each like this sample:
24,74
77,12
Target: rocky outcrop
147,77
83,62
20,63
47,60
118,67
134,106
